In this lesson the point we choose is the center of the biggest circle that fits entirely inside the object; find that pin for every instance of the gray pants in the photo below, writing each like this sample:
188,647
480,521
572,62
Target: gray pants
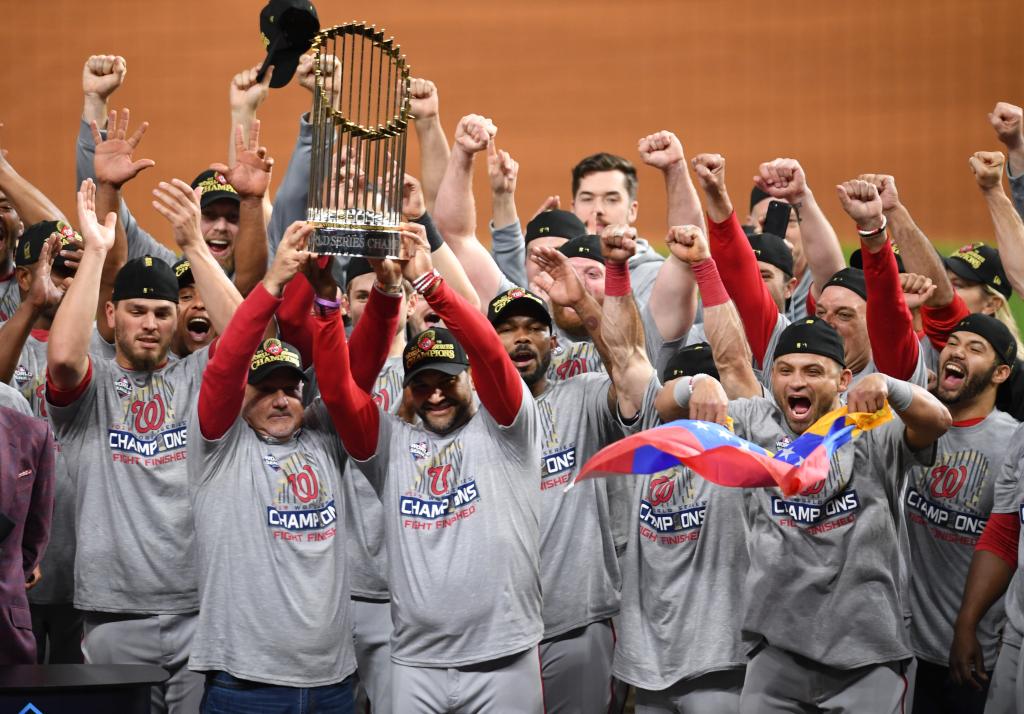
779,681
163,640
713,693
510,684
371,632
576,669
1006,691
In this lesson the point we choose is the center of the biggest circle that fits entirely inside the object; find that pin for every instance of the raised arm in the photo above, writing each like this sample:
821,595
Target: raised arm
621,327
245,95
455,210
179,204
250,175
29,202
894,344
496,379
924,417
784,179
673,300
507,245
434,152
722,324
67,351
114,165
732,252
1008,121
988,171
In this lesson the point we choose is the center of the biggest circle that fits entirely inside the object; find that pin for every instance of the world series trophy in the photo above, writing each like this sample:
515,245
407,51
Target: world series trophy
360,121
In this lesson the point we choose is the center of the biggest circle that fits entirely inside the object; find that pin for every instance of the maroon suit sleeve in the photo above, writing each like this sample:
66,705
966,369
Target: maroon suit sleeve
894,345
224,379
355,415
495,377
372,337
741,276
294,317
40,512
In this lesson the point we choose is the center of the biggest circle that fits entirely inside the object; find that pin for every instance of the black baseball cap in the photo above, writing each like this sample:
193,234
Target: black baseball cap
146,277
556,223
287,28
273,355
356,266
857,259
995,333
215,187
690,360
32,240
980,263
183,272
583,247
770,248
756,196
811,335
850,278
435,349
517,301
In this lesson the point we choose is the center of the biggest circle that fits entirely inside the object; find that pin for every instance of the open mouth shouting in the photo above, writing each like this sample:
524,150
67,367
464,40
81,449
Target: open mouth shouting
198,328
798,407
219,247
953,375
524,359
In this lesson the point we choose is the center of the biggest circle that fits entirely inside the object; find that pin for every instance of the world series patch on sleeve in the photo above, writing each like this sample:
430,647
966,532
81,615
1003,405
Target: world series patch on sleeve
718,455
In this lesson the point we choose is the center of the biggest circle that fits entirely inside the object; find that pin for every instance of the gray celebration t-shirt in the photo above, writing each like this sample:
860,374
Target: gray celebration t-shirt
1009,498
947,506
682,577
10,298
274,600
125,443
578,564
462,522
830,555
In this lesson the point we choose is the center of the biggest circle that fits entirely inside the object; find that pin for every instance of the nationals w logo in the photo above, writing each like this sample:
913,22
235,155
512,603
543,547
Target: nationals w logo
947,480
305,485
661,490
149,415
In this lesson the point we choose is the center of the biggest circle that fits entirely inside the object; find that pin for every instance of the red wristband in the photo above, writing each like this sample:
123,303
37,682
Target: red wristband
712,290
616,280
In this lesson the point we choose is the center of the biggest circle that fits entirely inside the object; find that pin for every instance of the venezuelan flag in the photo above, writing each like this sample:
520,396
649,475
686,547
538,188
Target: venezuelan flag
717,454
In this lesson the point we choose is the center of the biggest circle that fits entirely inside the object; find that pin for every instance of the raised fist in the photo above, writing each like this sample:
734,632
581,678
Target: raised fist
246,93
102,75
502,169
710,170
861,202
886,187
306,77
474,132
783,179
988,168
423,95
916,289
1008,121
661,150
618,243
688,244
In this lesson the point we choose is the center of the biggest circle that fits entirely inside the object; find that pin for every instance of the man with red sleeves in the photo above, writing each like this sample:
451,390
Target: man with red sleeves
461,502
265,483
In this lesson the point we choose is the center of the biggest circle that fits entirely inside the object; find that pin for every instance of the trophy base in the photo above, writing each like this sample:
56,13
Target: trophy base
362,242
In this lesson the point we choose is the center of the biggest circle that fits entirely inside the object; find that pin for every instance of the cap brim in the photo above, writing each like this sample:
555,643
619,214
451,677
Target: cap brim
522,306
962,269
259,375
452,368
209,197
285,61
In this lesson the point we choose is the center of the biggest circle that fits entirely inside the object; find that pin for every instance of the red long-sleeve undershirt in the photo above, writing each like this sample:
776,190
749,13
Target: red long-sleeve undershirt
354,413
226,375
381,313
741,276
894,345
938,322
1001,537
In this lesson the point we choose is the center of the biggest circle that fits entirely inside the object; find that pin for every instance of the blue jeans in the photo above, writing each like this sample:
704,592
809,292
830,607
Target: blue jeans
225,694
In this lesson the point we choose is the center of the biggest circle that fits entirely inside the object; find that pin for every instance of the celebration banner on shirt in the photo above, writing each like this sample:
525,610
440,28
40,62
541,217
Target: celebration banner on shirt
715,453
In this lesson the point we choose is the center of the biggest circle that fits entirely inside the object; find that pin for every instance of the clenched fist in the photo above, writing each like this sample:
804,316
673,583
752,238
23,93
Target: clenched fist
988,169
661,150
474,133
688,244
1008,121
423,95
782,179
247,93
710,170
102,75
861,202
886,187
618,243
